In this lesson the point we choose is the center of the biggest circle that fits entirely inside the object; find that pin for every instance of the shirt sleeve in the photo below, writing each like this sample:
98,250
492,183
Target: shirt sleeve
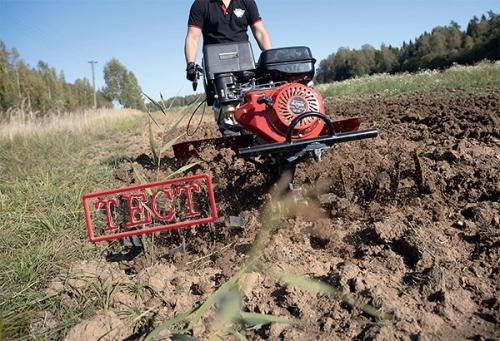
253,12
197,15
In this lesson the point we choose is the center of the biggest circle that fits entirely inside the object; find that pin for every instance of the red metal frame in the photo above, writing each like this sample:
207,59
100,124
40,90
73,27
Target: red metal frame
207,220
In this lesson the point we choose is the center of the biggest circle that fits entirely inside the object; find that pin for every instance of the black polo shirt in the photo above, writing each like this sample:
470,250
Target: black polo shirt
221,24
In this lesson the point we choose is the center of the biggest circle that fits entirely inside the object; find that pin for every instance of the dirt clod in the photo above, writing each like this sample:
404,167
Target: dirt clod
103,326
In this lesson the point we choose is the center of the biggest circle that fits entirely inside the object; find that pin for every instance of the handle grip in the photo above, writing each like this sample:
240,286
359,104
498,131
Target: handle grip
199,73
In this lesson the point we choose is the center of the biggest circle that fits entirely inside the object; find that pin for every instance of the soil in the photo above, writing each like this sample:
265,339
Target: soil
408,222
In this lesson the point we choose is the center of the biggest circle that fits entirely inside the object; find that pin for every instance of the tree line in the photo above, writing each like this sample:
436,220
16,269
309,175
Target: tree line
43,90
439,49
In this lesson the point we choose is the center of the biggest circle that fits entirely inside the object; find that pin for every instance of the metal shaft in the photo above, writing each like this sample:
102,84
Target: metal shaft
286,147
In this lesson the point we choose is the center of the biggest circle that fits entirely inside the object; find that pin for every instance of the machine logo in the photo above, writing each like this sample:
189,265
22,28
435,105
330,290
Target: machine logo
239,12
298,105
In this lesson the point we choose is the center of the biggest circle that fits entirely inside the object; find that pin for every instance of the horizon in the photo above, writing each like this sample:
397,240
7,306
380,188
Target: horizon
33,27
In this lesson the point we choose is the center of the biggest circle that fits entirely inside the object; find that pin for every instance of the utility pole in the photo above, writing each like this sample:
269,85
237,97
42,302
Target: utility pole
92,63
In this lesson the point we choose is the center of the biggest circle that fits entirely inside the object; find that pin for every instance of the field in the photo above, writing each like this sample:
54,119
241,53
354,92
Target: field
405,247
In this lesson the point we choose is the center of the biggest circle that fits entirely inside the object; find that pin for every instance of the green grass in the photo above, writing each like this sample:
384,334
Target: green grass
42,177
480,76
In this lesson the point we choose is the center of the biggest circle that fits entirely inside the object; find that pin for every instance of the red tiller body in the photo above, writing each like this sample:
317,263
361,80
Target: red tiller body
268,113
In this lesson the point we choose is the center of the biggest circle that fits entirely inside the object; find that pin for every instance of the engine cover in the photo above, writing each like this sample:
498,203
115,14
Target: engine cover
268,113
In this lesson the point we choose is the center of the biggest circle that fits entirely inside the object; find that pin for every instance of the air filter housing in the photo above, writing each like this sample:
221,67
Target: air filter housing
290,101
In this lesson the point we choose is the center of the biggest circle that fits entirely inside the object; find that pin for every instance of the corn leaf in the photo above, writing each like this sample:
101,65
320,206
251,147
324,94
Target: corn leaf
319,287
140,178
163,100
182,169
166,325
181,337
173,100
169,144
152,144
236,333
152,118
172,128
158,105
214,298
256,320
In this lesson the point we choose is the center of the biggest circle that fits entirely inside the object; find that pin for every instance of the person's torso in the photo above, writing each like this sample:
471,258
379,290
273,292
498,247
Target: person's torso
225,24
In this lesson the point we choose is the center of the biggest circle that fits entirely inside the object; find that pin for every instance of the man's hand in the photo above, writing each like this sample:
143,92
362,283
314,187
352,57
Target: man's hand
191,72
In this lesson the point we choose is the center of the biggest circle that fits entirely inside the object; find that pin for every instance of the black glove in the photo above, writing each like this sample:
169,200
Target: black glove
191,72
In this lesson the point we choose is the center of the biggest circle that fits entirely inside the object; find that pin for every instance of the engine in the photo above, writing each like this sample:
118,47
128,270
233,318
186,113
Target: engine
268,113
265,98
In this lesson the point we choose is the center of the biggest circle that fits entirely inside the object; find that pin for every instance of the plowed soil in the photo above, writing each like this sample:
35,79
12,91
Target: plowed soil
411,227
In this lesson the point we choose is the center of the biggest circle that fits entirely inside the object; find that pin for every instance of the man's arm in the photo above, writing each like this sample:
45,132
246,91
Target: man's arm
258,29
191,44
261,35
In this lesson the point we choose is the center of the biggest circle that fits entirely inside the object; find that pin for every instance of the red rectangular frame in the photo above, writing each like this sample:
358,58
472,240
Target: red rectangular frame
88,220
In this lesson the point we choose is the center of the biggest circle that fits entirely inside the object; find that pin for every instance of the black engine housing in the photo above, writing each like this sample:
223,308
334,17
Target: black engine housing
291,64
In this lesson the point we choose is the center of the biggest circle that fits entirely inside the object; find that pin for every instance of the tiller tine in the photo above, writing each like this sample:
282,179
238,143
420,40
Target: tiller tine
185,150
344,126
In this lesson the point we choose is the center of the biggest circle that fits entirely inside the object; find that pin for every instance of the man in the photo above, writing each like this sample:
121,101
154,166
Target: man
222,21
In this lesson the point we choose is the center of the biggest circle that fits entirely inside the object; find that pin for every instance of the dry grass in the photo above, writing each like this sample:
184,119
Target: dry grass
24,124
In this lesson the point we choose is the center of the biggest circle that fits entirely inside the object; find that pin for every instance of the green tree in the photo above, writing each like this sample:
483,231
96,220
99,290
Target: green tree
102,100
386,59
368,52
468,43
438,41
343,64
84,93
122,85
454,38
114,74
131,96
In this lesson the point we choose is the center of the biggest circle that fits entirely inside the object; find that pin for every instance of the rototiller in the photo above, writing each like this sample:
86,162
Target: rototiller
268,109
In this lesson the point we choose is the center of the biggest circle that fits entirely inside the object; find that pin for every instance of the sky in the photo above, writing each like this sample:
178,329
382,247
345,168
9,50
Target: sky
147,36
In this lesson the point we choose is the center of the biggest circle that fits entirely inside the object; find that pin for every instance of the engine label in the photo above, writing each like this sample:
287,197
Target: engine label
298,105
